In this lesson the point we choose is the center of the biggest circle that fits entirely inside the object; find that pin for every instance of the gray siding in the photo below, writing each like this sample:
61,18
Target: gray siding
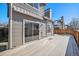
18,27
16,30
28,8
43,30
50,33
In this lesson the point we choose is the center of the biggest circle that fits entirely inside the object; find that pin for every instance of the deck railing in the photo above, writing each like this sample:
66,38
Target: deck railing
68,31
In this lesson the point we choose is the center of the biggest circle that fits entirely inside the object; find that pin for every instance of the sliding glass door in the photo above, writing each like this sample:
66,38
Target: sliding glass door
28,29
36,29
31,31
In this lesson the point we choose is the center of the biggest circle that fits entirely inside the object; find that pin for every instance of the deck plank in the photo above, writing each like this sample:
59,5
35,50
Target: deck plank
57,45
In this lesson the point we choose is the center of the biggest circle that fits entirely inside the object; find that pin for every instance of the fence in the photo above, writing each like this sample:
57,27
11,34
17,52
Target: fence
68,31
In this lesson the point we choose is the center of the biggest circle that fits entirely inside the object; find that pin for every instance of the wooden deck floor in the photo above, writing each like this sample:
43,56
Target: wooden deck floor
57,45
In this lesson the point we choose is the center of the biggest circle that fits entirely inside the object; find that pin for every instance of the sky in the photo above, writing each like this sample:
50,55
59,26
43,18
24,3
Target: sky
68,10
3,13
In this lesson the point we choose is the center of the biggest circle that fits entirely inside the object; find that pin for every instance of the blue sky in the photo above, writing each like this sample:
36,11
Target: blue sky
68,10
3,13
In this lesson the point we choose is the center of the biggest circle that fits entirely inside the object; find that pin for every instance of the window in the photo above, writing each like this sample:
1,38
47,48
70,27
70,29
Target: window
34,5
30,4
36,29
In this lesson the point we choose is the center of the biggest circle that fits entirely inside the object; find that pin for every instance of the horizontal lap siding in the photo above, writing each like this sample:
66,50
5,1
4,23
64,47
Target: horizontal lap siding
43,30
51,32
16,30
17,25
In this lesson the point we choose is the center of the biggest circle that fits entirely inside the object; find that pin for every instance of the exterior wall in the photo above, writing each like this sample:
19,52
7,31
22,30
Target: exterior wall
24,7
48,22
33,37
48,13
42,30
17,28
57,25
51,32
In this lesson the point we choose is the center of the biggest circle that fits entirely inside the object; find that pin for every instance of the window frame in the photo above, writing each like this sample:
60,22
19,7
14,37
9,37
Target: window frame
33,5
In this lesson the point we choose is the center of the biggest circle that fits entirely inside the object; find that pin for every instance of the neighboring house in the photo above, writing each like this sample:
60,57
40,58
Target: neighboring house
59,24
28,22
67,27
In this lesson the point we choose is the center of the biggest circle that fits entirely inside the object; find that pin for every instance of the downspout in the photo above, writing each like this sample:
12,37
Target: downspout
10,27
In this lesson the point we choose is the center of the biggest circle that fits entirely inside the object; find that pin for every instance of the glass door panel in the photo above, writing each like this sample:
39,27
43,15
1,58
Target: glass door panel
31,31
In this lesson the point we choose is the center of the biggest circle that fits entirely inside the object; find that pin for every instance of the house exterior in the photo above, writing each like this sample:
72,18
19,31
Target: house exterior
59,24
27,22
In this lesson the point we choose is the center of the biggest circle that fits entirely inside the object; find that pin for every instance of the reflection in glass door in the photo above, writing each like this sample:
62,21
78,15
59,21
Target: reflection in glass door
36,31
31,31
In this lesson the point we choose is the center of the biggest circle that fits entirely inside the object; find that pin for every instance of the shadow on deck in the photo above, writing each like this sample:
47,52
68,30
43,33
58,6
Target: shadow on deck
72,48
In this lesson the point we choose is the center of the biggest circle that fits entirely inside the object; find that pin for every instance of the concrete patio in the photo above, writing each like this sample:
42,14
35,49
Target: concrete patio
57,45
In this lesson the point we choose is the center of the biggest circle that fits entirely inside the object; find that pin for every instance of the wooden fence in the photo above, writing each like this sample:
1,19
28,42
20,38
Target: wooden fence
68,31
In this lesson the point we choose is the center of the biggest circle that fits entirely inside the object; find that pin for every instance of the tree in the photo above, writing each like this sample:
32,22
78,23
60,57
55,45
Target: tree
74,24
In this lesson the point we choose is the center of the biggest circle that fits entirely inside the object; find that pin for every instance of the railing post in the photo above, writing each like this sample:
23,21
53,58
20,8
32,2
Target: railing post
77,38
